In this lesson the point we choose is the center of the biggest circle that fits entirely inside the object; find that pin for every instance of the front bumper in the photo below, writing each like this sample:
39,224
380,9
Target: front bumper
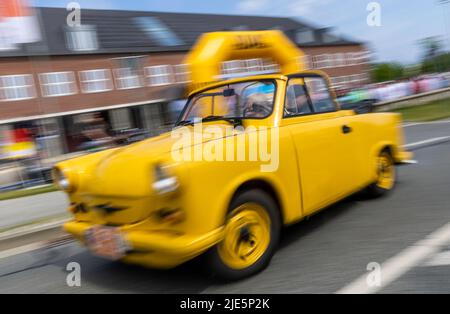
155,248
404,158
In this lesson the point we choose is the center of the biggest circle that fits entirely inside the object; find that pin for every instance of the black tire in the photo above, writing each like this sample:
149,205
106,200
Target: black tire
374,190
214,261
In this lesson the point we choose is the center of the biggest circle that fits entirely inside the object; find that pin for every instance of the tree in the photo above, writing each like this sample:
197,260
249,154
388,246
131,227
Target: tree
431,54
382,72
431,46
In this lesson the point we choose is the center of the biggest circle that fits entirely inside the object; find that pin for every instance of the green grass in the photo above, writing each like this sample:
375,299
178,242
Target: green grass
26,192
429,112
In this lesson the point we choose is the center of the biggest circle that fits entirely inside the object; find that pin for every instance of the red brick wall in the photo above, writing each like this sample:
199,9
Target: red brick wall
46,105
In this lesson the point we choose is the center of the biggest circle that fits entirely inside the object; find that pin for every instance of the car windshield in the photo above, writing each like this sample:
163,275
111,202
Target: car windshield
243,100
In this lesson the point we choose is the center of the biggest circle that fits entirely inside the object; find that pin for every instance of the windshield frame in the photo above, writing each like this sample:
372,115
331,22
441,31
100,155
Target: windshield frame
271,80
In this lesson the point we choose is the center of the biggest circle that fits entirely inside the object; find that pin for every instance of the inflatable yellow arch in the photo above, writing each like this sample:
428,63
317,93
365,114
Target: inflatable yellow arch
205,59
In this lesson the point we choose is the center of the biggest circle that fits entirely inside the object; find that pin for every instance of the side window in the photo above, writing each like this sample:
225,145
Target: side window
319,94
296,102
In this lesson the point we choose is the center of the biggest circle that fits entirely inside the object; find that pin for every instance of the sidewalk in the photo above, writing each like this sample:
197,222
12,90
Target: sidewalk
29,209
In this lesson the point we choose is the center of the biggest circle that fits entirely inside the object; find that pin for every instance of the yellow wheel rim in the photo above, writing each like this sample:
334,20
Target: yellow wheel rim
247,236
386,172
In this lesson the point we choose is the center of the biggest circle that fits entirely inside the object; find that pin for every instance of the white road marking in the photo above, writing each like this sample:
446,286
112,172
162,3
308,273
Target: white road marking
425,123
23,249
410,162
428,141
399,264
406,125
440,259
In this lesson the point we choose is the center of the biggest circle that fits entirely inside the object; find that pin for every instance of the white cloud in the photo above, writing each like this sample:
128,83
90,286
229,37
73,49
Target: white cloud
250,6
281,7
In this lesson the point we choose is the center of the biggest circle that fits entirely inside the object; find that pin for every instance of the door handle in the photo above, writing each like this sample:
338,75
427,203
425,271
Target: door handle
346,129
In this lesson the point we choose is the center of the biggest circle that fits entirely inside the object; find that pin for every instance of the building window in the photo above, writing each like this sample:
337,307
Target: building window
316,62
305,36
57,84
339,59
306,61
159,75
82,38
329,38
350,58
153,117
328,60
126,78
158,31
354,78
363,77
95,81
324,61
270,66
333,82
50,137
232,67
362,57
17,87
120,119
182,73
254,65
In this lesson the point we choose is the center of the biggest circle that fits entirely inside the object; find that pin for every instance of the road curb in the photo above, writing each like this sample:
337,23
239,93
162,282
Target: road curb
38,245
34,228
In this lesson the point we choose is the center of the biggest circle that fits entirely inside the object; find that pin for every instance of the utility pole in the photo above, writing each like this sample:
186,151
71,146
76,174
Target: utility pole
445,12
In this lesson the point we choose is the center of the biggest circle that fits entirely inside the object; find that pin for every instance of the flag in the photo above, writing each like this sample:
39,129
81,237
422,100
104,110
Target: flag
18,24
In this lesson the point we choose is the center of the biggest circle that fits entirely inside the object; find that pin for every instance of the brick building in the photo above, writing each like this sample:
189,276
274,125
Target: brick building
120,64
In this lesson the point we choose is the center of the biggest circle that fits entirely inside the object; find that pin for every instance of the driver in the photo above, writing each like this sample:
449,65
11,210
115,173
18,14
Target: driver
300,99
258,105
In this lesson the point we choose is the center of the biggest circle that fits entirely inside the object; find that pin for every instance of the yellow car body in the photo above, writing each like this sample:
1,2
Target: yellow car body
318,165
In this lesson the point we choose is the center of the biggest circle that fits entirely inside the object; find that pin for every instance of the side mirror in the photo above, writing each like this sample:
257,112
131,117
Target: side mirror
229,92
365,106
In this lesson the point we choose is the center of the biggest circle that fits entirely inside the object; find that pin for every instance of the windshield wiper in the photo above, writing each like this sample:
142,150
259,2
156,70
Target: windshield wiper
184,122
234,121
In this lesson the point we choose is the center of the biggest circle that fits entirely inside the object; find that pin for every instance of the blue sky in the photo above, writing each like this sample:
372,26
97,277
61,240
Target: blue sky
403,22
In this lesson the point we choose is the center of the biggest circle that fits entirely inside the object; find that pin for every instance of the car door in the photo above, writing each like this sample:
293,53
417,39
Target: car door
322,137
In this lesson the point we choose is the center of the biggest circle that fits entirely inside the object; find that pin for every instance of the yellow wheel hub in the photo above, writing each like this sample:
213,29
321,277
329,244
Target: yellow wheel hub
247,236
386,172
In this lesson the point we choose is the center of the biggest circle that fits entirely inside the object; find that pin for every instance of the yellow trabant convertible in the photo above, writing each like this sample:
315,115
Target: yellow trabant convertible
246,157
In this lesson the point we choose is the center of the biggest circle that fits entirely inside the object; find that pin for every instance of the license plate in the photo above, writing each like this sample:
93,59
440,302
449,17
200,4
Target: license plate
106,242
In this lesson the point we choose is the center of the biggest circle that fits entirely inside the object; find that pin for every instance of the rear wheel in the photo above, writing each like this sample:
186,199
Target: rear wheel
386,175
252,231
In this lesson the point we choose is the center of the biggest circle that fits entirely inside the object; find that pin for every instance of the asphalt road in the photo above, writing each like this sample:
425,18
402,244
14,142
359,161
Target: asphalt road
324,254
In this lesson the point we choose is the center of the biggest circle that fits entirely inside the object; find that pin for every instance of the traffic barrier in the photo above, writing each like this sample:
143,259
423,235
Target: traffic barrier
413,100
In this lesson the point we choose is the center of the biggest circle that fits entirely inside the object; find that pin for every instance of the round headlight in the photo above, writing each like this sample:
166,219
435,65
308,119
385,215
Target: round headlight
61,180
164,182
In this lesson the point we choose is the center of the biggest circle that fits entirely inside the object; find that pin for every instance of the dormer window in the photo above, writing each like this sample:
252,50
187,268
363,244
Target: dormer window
305,36
329,38
82,38
158,31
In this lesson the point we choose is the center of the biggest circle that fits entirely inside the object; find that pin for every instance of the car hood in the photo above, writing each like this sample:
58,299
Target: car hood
132,166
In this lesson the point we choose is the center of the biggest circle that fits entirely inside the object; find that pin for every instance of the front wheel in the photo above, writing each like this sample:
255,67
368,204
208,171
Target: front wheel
386,175
251,235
